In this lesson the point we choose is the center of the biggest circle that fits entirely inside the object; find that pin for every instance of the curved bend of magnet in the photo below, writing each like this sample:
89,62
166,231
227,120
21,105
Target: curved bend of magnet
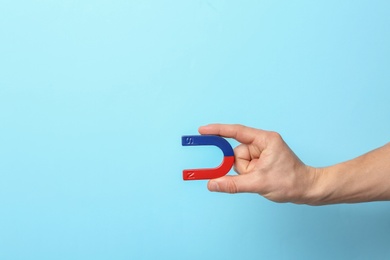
209,173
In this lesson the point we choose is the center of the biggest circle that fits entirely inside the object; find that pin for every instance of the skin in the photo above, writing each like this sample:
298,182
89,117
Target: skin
267,166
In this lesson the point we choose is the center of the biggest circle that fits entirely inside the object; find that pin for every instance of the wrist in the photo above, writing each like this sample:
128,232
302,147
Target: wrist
330,185
318,190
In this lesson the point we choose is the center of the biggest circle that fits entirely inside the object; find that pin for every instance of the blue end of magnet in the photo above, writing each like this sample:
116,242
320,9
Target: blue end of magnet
221,143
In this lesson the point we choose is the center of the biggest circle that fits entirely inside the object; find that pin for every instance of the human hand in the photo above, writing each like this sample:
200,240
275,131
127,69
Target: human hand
265,164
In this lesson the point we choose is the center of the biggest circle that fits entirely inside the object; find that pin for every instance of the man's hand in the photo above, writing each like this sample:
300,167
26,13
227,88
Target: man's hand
265,164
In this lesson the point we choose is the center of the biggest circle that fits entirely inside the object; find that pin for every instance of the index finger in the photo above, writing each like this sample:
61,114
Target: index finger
243,134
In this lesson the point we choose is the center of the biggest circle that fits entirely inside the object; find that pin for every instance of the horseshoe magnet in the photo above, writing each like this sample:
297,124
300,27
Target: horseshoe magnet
221,170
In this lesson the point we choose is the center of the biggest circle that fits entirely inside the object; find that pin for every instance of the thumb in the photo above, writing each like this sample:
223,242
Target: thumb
233,184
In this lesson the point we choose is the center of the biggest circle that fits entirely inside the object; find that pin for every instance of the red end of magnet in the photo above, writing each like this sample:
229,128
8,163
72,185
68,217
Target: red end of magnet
212,173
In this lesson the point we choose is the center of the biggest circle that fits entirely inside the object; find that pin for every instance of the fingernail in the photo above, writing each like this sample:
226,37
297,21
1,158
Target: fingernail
214,186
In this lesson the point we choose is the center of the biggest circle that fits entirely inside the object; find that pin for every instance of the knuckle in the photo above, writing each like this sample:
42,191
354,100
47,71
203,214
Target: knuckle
274,136
231,187
239,126
239,150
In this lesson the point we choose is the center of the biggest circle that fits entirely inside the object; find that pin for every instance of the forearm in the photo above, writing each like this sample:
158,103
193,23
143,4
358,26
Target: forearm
365,178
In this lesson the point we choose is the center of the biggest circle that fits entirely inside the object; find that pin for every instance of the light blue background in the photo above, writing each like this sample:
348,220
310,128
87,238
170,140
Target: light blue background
95,95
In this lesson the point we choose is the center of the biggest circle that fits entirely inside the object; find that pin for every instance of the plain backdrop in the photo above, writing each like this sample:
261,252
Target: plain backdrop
95,95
